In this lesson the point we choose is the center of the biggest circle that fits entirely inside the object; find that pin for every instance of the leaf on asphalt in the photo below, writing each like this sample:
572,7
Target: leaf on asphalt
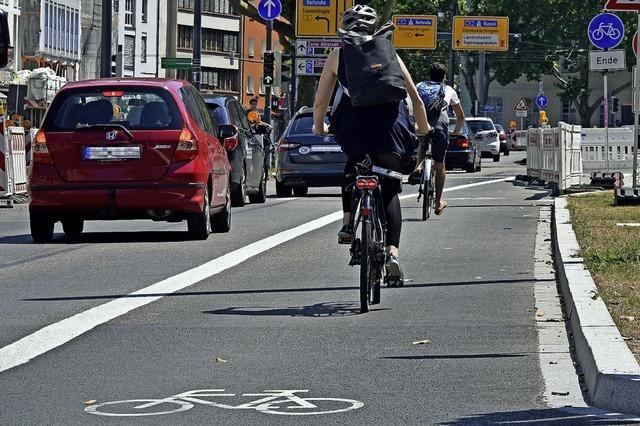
218,359
560,393
90,402
478,278
540,314
421,342
593,294
628,318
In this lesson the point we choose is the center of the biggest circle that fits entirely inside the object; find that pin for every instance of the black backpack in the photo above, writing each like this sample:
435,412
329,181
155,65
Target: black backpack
374,75
433,97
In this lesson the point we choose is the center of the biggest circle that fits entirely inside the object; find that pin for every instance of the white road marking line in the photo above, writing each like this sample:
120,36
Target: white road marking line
468,185
59,333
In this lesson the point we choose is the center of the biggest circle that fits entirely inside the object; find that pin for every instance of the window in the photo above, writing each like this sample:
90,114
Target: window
250,85
128,13
143,49
129,52
252,47
185,37
212,40
222,7
221,80
145,11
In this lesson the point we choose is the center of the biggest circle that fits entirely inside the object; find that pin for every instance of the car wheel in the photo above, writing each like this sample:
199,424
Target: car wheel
41,228
261,195
496,158
198,224
221,222
239,194
507,151
471,168
300,191
282,190
72,227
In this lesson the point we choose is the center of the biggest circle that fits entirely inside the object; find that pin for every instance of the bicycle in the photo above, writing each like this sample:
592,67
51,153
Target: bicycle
605,29
282,402
427,188
368,251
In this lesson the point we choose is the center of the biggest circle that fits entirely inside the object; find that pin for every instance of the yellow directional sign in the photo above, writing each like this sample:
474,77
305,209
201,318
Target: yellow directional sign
481,33
319,18
415,31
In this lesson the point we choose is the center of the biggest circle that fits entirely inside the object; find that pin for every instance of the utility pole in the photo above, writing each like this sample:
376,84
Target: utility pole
196,67
105,59
452,52
267,90
172,34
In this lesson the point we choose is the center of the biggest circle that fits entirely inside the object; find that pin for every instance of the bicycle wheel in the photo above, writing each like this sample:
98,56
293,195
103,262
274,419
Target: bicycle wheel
429,190
127,408
379,257
367,272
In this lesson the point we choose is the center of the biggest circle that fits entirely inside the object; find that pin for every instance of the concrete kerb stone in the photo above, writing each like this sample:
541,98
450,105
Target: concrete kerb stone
611,372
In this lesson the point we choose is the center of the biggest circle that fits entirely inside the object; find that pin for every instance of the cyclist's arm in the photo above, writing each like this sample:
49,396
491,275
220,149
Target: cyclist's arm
327,82
419,113
459,112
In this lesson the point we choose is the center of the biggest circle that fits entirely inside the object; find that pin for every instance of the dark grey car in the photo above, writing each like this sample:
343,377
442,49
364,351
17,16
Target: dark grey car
305,160
248,163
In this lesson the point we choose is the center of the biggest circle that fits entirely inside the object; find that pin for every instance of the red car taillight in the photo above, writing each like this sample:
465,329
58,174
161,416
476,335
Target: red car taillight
187,148
285,146
40,149
462,143
231,143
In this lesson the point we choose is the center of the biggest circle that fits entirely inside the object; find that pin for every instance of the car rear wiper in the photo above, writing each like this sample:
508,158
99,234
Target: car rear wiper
105,127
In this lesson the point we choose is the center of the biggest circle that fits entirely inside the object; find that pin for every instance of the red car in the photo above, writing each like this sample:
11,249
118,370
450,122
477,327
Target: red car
130,149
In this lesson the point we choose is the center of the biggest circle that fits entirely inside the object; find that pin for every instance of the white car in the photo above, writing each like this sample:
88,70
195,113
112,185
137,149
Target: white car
486,135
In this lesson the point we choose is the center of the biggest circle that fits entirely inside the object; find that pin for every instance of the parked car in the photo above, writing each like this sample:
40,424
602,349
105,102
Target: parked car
463,151
249,168
305,160
504,140
129,149
485,133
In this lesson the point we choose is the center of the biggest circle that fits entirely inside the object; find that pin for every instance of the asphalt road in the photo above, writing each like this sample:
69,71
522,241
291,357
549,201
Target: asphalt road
286,318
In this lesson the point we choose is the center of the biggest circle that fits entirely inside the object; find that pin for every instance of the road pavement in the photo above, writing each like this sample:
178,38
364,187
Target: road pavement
457,345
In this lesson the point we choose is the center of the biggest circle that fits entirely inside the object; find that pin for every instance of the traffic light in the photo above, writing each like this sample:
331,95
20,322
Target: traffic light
615,102
116,63
267,73
285,67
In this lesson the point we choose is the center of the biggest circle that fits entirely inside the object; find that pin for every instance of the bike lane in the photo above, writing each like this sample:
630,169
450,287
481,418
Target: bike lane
288,320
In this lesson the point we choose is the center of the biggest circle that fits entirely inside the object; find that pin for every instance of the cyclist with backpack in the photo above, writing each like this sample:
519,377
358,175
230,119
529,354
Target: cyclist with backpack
368,116
437,98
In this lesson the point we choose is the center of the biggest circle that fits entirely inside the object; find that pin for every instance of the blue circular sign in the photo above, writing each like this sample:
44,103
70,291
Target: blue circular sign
606,31
542,101
269,9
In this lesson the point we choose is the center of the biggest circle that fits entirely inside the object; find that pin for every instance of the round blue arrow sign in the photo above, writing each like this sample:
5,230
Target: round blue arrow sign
606,31
542,101
269,9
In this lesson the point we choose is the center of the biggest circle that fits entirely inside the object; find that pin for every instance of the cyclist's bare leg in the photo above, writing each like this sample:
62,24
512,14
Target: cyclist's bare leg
420,154
440,176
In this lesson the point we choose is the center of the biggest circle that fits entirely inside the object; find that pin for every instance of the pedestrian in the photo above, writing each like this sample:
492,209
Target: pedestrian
383,131
437,97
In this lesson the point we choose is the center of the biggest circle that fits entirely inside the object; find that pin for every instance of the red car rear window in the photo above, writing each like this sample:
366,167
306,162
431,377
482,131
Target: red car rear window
136,108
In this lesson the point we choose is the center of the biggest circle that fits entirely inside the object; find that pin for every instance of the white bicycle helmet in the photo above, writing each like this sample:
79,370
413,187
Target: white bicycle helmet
360,18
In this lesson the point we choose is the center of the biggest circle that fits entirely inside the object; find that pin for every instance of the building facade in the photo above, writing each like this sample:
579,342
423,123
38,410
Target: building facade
137,24
12,9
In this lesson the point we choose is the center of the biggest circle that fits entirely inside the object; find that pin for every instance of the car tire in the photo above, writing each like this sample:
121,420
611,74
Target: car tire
300,191
221,222
199,224
471,168
261,195
282,190
239,194
72,227
496,158
507,152
41,228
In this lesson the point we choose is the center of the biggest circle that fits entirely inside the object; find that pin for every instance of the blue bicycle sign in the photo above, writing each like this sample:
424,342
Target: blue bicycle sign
606,31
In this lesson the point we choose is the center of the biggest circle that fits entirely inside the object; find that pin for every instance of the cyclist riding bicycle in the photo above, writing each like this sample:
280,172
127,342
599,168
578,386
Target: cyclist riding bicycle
385,132
439,120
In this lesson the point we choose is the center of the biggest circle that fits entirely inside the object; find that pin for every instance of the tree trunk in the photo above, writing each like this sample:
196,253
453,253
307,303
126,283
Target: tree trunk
468,74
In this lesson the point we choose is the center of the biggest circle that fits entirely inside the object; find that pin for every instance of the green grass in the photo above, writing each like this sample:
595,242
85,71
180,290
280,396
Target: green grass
612,254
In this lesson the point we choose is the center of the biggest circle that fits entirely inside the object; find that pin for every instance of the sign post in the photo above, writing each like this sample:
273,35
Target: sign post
605,32
268,10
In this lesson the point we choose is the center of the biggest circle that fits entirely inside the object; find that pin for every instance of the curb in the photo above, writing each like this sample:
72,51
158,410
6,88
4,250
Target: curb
611,372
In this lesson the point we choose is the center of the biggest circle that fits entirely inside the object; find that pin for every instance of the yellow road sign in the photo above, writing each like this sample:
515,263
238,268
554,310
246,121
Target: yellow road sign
319,18
481,33
415,31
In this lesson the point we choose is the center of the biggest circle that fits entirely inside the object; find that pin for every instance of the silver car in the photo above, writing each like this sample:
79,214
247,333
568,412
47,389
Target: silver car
485,133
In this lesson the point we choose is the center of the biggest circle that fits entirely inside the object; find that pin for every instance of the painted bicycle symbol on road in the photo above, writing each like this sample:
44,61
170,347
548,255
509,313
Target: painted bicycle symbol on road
606,30
282,402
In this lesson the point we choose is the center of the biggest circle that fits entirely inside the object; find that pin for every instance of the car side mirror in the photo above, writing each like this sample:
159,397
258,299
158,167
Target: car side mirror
226,131
262,129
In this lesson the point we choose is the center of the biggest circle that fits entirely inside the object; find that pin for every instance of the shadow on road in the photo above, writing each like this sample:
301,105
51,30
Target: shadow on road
547,416
406,287
457,356
106,237
332,309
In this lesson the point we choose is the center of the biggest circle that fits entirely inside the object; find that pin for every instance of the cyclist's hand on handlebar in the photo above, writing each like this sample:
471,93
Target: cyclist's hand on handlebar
321,132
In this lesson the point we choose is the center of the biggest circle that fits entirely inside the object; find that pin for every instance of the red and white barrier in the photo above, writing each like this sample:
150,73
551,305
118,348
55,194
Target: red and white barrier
13,162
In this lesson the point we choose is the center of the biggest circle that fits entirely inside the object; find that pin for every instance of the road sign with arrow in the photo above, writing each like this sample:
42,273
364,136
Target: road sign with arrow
316,47
319,18
269,9
309,66
415,31
488,33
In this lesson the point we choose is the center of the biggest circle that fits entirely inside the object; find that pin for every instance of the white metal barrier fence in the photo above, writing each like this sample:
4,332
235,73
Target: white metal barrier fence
620,150
13,162
554,154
